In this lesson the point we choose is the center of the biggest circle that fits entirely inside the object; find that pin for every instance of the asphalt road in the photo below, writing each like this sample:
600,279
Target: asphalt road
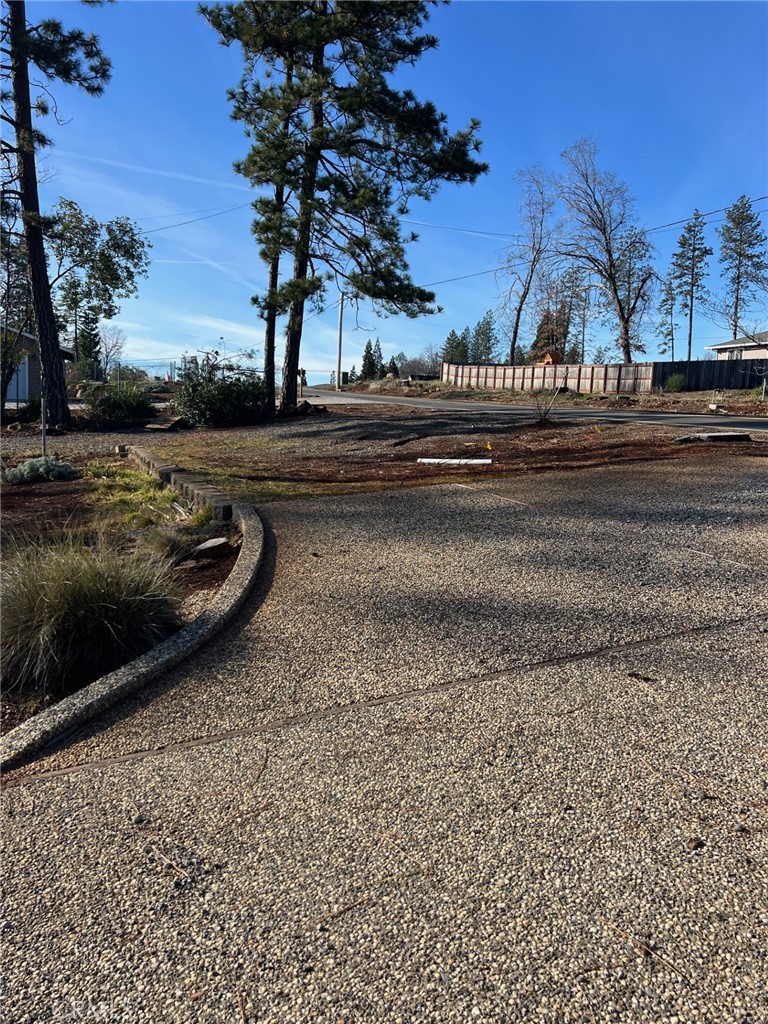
697,421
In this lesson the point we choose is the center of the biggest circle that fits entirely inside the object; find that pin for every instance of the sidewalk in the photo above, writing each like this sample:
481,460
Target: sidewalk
490,753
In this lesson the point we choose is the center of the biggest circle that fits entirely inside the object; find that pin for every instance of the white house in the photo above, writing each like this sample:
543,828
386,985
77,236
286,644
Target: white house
754,347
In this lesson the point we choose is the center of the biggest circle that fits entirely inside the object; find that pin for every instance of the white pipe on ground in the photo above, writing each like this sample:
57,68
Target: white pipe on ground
458,462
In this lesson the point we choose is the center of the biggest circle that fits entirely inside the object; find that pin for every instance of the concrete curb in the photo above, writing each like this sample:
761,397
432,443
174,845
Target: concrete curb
50,724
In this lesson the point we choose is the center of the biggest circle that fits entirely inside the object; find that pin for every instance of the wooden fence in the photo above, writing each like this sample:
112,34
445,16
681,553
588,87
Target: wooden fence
613,379
618,378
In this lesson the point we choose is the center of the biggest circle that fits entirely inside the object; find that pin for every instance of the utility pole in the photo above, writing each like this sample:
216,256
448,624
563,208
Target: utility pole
338,353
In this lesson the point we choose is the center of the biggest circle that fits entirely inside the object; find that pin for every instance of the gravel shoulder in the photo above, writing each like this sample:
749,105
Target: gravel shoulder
491,750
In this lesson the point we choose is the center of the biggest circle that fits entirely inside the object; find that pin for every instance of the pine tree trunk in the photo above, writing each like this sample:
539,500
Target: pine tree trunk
736,300
274,280
269,337
51,361
288,387
691,294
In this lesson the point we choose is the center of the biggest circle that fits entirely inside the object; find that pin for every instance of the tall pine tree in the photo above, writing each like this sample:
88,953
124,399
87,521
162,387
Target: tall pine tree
454,349
551,334
744,259
368,369
484,345
689,269
666,325
89,345
348,149
68,56
378,360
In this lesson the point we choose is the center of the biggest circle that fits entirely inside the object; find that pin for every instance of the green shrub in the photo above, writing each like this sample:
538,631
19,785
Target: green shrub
677,382
71,614
44,468
213,394
108,407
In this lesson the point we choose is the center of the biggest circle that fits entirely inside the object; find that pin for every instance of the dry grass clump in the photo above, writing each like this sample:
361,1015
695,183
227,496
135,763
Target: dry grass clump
71,614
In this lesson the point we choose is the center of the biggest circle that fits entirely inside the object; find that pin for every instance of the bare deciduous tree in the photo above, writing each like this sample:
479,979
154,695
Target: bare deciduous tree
112,344
603,239
526,254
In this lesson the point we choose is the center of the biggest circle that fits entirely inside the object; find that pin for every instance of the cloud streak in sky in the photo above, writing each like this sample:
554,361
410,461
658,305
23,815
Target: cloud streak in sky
141,169
224,268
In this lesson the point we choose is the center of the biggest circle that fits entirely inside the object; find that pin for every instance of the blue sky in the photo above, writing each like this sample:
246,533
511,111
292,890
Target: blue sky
674,94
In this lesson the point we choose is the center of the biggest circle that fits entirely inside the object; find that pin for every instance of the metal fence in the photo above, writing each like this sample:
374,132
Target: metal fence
713,374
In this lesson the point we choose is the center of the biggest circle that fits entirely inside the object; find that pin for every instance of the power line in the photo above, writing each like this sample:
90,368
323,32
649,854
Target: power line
191,213
675,223
219,212
181,224
465,231
479,273
444,227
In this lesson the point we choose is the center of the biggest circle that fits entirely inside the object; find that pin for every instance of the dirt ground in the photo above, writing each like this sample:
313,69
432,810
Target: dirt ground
359,445
379,445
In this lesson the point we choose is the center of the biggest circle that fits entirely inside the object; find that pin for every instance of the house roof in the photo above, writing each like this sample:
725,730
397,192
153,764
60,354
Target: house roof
29,343
759,340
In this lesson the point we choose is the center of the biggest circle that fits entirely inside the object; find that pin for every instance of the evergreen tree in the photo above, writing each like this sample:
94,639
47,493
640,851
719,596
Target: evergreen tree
689,269
522,355
572,353
551,334
666,326
70,306
74,58
465,343
89,343
264,30
455,349
392,368
353,375
369,370
349,149
744,259
484,345
378,360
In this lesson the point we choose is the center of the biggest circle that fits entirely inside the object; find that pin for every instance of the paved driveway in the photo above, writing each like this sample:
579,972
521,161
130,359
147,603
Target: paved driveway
492,753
